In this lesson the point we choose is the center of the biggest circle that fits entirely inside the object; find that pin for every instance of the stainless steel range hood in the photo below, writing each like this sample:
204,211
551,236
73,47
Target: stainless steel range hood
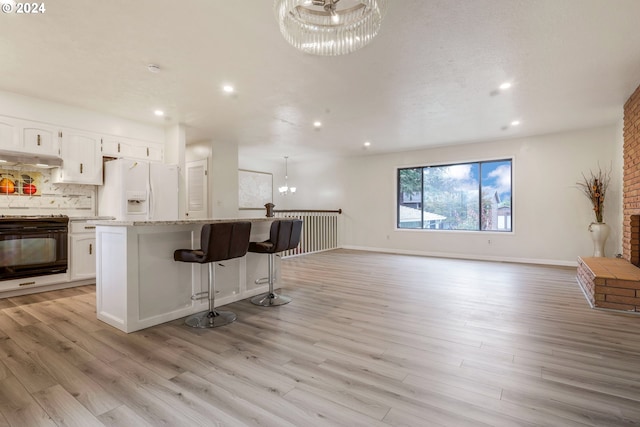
30,159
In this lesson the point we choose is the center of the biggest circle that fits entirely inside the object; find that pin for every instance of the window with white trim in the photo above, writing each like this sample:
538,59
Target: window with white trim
473,196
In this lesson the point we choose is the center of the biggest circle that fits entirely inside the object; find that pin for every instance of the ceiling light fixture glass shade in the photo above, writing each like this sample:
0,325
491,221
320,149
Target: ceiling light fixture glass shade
285,189
319,27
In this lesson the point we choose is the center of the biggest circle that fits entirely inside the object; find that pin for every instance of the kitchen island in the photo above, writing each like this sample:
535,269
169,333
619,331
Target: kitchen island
138,284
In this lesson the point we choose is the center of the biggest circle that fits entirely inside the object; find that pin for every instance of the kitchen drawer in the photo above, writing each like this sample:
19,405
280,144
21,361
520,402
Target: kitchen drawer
27,283
81,227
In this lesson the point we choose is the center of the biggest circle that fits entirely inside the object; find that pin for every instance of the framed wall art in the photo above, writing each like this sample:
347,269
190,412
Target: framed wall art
255,189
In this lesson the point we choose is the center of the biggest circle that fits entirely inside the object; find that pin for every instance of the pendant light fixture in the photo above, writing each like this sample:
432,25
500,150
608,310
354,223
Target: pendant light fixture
285,189
320,27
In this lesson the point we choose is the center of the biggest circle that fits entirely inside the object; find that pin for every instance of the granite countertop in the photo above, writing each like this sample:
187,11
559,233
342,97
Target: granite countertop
129,223
90,218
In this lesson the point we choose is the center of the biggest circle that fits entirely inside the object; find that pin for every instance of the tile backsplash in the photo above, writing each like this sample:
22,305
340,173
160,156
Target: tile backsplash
48,199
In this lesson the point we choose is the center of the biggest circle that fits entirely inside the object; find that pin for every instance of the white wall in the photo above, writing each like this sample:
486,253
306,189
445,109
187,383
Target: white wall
320,181
222,165
174,153
550,215
223,190
24,107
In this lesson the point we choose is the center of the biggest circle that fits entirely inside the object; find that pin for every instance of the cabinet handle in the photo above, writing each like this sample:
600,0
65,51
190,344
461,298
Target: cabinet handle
90,248
147,151
81,168
38,139
89,227
118,147
27,283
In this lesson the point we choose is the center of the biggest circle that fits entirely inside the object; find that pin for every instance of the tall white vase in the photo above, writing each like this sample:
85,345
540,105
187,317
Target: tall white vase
599,233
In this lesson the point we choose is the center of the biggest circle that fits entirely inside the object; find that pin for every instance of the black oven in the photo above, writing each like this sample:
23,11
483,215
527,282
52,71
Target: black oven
33,246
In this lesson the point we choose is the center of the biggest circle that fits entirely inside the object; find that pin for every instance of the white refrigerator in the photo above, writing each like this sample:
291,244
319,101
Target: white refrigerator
138,190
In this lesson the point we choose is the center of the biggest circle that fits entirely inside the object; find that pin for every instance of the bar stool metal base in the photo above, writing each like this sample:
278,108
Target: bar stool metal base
270,299
210,319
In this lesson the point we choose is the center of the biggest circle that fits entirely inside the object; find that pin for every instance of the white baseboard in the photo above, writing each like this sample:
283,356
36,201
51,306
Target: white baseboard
465,256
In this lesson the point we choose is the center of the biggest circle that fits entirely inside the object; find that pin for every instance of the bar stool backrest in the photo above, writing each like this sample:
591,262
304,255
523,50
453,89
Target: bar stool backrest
224,240
285,234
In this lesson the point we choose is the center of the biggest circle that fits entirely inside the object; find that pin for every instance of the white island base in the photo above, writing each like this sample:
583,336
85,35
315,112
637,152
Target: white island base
138,284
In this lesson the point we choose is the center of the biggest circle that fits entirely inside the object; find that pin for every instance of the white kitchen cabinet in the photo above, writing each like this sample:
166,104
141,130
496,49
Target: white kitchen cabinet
116,147
39,138
10,134
82,250
128,148
82,162
149,151
29,137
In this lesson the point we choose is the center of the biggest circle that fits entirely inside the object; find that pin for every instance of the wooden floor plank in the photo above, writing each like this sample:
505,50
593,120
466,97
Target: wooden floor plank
123,416
19,407
28,371
321,411
86,340
140,399
180,400
229,394
64,409
86,391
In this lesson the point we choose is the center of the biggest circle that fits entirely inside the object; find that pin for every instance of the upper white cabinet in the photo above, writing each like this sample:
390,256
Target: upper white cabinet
82,161
115,147
38,138
132,149
149,151
29,137
81,151
10,134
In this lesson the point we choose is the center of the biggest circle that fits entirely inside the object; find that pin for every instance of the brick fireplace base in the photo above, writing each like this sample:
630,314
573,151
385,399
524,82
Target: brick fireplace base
611,283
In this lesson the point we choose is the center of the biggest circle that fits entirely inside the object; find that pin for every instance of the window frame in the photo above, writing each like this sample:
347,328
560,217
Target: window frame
509,231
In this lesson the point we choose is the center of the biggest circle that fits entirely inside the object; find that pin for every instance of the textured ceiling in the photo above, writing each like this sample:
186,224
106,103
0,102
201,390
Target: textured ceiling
429,78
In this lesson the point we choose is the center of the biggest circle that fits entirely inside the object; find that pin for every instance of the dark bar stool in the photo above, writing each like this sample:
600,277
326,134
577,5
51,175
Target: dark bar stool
284,235
218,241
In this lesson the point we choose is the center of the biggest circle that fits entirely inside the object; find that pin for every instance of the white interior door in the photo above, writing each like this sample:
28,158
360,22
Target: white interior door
197,189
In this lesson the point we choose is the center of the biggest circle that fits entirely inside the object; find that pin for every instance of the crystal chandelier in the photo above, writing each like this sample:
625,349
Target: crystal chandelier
285,189
318,27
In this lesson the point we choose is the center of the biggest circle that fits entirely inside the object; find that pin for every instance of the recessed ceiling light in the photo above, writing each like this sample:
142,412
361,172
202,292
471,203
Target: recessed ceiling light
153,68
228,89
515,123
159,113
317,124
505,86
367,144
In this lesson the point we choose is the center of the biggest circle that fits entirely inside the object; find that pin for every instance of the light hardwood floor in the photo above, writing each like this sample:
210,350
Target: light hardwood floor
369,340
